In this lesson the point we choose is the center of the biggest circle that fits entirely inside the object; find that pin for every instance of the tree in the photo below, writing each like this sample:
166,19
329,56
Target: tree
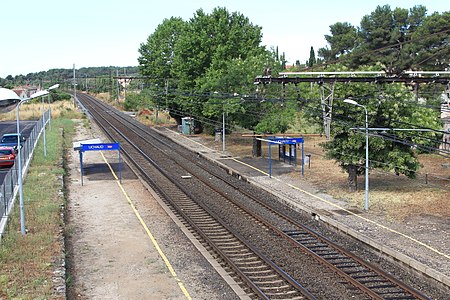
389,106
388,31
206,48
400,39
277,120
156,62
157,54
234,91
312,58
343,40
432,43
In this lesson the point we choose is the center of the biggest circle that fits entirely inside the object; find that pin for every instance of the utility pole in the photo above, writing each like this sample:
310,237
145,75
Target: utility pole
74,86
118,89
167,90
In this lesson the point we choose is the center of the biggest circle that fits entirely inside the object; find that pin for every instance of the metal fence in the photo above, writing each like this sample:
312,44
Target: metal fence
10,185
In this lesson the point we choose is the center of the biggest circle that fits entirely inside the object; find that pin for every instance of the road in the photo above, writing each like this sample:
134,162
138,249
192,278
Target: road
11,127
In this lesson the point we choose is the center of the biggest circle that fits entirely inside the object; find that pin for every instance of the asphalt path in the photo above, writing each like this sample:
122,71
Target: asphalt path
11,127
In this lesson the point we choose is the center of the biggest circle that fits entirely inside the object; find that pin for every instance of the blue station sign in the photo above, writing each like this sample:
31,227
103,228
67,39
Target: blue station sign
287,140
100,147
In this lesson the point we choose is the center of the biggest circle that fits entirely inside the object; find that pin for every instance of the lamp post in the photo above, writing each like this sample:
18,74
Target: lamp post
223,131
9,99
366,203
55,86
22,212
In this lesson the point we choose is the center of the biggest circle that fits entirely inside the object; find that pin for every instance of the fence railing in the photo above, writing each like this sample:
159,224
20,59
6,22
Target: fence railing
10,185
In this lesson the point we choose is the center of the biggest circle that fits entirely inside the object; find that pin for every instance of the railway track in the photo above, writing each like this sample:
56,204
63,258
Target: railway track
256,270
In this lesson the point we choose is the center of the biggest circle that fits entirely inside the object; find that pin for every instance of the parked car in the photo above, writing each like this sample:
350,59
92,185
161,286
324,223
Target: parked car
7,156
10,140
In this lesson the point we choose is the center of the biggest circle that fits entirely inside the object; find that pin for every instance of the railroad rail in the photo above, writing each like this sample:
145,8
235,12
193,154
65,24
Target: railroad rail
262,277
257,271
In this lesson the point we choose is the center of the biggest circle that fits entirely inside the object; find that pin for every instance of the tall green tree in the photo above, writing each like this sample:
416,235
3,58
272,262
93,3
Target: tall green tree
210,42
343,40
235,91
399,38
156,60
388,106
211,61
158,52
432,43
389,32
312,57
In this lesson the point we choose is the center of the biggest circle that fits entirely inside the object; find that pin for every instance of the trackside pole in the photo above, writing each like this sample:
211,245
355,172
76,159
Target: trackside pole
270,152
81,166
270,161
303,160
120,166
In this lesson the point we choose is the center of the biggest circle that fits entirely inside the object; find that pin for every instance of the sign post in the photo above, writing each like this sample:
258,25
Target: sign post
270,152
99,147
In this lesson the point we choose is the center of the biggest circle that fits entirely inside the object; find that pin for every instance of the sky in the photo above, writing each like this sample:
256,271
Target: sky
47,34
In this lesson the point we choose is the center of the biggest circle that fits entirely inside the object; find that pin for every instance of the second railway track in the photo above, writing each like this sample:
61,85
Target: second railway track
270,254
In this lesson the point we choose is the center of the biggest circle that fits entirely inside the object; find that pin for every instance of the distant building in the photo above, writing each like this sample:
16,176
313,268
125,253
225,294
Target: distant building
21,93
25,91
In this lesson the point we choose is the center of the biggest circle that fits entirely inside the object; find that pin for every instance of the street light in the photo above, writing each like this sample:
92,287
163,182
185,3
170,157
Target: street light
353,102
9,99
55,86
50,109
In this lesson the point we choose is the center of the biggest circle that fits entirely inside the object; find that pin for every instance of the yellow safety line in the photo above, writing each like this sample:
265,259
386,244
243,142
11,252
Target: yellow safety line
351,213
250,166
152,238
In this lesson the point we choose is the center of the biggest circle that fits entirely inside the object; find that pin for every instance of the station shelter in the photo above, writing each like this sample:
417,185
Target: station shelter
287,149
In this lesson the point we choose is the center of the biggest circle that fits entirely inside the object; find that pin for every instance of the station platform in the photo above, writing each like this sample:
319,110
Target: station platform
409,243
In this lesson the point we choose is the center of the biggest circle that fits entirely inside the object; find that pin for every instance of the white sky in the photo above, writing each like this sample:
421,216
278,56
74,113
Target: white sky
47,34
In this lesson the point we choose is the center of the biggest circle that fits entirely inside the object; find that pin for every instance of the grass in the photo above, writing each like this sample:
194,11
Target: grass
33,111
27,262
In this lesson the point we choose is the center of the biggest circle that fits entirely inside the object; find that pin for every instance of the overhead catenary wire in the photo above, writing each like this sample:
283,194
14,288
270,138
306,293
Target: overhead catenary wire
256,98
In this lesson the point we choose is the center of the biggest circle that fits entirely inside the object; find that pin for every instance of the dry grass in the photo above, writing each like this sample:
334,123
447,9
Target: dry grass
150,119
397,197
33,111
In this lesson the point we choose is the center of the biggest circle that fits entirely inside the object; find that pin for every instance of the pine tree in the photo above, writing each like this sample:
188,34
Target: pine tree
312,58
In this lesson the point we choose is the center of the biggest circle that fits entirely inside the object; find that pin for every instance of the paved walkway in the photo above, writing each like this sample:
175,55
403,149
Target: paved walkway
404,242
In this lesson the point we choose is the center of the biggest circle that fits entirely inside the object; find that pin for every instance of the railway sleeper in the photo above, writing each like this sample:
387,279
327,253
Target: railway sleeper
274,295
228,244
378,280
251,269
257,274
265,277
247,264
401,298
